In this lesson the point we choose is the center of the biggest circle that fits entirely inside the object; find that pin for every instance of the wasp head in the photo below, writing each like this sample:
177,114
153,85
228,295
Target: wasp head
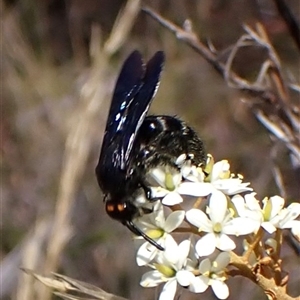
121,210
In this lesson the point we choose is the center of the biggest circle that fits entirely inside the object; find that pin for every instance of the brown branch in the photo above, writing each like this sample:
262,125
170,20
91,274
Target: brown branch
272,107
254,243
191,39
271,289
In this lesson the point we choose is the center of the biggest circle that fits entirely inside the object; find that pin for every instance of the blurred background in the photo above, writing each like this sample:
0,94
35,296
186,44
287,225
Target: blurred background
51,130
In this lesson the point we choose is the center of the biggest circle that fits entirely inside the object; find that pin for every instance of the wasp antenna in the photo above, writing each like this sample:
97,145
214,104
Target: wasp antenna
137,231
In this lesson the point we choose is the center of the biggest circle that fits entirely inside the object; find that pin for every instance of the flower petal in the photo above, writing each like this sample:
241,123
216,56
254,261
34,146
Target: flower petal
145,254
277,204
239,204
157,217
174,220
268,226
172,251
184,249
248,207
251,202
199,219
221,170
199,284
184,278
224,242
217,207
159,175
206,245
240,226
197,189
205,266
169,290
158,192
172,198
151,279
220,289
232,186
177,178
289,214
294,208
181,159
221,262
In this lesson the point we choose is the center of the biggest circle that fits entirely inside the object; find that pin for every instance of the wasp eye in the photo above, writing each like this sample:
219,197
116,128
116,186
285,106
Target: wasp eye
110,207
121,210
121,207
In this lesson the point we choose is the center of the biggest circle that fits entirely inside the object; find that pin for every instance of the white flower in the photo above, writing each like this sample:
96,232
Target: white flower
169,268
220,169
181,160
218,225
248,207
213,274
271,209
219,179
156,226
276,217
171,186
272,215
189,171
287,218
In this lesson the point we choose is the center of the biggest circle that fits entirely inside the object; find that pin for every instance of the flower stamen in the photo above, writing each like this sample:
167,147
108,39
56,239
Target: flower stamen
217,227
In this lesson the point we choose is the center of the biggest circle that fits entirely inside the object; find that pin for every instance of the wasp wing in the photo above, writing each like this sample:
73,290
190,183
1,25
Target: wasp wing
127,86
132,96
140,105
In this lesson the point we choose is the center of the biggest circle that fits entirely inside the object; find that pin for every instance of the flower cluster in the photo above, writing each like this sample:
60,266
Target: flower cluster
212,207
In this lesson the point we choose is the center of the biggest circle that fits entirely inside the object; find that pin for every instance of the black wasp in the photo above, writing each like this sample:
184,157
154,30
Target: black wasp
134,143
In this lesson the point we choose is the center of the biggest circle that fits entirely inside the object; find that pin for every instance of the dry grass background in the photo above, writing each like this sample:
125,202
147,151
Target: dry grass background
59,63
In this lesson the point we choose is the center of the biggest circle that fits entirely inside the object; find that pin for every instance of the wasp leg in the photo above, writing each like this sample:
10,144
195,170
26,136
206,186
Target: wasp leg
133,228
